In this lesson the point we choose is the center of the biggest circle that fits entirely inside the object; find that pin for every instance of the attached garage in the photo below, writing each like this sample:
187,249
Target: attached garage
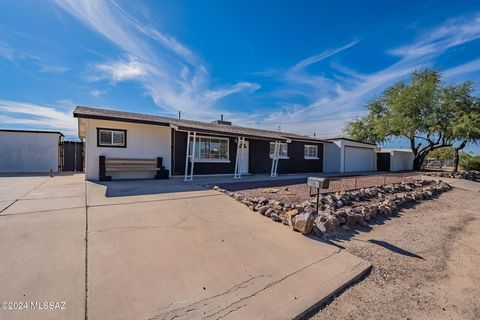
359,159
344,155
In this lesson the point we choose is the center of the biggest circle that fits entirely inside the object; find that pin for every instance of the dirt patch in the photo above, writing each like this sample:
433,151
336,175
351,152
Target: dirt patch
294,191
425,265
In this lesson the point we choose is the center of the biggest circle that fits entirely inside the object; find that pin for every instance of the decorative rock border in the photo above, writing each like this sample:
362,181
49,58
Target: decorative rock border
344,208
467,175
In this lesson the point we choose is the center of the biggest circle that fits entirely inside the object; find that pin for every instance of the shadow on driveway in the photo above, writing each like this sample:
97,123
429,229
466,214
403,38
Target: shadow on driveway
394,248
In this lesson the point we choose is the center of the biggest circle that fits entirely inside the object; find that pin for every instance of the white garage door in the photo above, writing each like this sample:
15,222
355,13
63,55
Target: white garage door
359,159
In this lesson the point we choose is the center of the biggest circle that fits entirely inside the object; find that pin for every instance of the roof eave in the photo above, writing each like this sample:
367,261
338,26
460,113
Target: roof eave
113,118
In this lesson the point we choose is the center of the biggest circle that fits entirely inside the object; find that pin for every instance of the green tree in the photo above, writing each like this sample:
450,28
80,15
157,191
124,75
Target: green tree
464,112
442,154
426,111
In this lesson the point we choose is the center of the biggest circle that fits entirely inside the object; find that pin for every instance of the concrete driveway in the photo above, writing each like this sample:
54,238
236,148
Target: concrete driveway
155,250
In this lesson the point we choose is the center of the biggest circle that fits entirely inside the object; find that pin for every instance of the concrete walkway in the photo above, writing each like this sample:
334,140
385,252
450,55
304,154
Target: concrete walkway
458,183
155,250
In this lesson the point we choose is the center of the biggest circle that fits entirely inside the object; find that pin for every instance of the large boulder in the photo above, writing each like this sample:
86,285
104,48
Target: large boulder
366,213
275,217
289,215
325,223
269,212
263,200
303,222
300,208
263,209
351,219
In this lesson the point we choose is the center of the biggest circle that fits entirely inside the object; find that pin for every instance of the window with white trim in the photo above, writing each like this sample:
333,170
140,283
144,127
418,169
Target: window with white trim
311,151
211,149
111,138
282,151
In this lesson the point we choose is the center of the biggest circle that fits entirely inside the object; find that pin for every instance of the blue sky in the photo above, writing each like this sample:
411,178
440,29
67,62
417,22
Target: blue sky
303,66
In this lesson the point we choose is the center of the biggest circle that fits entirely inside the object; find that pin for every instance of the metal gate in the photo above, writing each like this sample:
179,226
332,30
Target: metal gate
72,156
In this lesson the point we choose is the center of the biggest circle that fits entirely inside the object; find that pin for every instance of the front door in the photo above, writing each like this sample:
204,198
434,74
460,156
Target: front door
244,154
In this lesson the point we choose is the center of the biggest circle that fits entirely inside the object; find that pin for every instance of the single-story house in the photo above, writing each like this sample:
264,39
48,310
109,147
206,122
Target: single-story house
118,145
345,155
394,160
30,151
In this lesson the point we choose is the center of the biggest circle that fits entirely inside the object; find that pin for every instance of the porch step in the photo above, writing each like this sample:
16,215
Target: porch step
127,168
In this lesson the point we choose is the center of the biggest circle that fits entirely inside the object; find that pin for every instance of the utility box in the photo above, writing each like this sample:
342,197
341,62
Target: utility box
318,183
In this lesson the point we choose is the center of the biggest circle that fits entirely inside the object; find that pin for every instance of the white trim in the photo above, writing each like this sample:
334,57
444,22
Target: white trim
308,146
280,157
311,158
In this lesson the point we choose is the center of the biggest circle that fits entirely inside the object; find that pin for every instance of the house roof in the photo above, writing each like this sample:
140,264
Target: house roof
348,139
188,125
31,131
395,150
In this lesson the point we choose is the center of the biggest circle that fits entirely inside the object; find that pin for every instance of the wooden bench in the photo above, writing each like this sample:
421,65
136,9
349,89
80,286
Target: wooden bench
111,165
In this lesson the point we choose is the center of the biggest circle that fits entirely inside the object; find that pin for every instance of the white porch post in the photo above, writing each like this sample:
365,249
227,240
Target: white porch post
276,150
239,158
190,156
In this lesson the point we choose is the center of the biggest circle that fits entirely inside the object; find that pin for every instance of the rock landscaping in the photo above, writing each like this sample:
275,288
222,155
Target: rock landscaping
467,175
343,209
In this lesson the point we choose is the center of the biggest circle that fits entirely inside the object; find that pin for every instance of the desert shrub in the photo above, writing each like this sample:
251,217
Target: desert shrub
472,163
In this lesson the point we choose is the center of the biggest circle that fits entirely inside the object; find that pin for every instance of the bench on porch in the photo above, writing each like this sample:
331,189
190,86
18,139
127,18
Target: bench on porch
111,165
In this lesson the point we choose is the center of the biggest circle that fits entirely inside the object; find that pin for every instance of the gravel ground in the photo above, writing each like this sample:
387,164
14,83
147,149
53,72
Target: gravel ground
425,264
288,191
296,191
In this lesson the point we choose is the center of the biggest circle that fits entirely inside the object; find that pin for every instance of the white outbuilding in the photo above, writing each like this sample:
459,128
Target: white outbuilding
345,155
394,160
30,151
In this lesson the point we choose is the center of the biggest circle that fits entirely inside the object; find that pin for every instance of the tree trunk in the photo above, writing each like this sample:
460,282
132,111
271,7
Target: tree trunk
457,155
456,161
417,162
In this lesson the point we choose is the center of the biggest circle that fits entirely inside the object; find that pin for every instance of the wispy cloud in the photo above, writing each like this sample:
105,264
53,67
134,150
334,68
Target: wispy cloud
300,66
97,93
52,68
129,69
338,98
44,65
463,69
433,42
169,71
23,114
6,52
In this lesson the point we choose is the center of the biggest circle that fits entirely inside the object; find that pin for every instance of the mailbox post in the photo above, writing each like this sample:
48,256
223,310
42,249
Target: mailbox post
317,183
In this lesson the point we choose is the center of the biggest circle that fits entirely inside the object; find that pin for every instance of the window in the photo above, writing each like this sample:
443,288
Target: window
311,151
111,138
282,152
211,149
